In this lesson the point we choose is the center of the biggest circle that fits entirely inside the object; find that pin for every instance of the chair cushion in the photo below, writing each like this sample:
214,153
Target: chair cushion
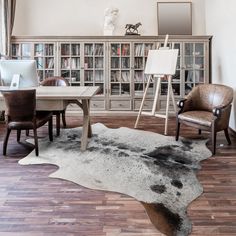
198,117
41,118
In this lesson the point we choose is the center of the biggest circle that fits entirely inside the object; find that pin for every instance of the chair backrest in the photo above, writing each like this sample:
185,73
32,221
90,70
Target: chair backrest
207,96
20,104
55,81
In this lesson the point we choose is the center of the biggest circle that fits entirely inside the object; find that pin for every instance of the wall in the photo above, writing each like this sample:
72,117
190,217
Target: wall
220,22
85,17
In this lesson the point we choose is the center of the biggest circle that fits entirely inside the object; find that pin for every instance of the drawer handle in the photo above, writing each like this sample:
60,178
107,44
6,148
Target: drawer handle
120,105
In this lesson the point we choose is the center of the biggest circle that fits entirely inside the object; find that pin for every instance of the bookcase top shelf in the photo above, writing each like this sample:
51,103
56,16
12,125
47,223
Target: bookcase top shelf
117,37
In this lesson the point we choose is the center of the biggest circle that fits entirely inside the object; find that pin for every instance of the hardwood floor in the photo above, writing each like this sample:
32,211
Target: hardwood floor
33,204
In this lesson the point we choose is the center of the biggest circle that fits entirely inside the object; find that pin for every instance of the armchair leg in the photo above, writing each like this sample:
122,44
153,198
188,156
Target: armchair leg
58,123
213,133
18,135
50,133
36,142
63,115
6,141
177,129
227,136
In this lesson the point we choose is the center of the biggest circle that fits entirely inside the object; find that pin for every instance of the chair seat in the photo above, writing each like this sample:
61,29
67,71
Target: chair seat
199,117
41,118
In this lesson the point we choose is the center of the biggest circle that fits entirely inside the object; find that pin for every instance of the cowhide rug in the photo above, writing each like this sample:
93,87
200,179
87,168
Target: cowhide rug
154,169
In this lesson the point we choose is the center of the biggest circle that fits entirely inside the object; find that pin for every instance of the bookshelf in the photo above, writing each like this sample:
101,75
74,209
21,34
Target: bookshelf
120,69
116,64
70,63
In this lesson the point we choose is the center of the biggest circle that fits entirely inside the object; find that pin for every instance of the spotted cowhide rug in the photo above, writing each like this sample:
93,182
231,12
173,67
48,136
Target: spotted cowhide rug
154,169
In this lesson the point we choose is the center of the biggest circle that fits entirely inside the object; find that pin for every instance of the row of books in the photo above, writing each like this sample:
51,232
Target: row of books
142,49
96,77
120,50
97,49
43,50
116,76
117,90
70,63
138,63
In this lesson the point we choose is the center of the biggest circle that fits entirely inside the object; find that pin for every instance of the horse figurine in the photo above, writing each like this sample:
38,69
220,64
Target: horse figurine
132,29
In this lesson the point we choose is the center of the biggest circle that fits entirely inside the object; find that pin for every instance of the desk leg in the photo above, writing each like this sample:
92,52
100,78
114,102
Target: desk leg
86,125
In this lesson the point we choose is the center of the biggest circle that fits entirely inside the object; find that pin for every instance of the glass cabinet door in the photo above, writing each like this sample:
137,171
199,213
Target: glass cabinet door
44,54
140,57
70,63
94,68
21,51
120,74
194,65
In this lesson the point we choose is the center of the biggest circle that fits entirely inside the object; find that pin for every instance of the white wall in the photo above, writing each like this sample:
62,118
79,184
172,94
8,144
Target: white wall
220,22
85,17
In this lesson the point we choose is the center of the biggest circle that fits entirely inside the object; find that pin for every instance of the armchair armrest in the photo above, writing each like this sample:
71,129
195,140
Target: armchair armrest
184,105
218,111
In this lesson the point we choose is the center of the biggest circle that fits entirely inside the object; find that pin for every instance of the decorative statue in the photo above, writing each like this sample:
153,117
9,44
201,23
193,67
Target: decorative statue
109,20
132,29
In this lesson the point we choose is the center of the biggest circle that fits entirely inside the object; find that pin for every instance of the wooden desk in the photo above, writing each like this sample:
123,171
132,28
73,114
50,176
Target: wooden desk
57,98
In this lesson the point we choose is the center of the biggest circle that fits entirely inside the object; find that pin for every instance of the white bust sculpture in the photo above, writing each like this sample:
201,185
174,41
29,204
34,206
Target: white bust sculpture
109,20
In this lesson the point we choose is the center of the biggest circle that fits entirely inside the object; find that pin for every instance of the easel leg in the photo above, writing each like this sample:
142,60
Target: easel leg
167,105
173,99
156,96
142,103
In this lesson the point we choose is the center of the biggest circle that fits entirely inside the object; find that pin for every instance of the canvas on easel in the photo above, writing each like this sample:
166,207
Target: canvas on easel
160,63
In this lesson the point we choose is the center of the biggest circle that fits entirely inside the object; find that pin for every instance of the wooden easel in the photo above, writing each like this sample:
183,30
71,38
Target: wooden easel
157,95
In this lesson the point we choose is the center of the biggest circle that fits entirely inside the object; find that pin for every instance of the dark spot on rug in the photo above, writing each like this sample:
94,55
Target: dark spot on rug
98,181
123,154
178,194
122,146
106,151
158,188
187,145
72,137
92,149
177,183
87,161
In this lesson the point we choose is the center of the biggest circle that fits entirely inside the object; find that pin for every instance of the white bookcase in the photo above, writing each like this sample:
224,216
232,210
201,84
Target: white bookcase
116,64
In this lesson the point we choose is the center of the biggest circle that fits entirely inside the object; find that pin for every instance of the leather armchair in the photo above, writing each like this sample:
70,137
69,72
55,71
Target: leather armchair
207,107
57,81
21,114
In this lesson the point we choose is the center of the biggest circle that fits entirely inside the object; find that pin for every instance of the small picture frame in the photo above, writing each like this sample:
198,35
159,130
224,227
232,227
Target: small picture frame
174,18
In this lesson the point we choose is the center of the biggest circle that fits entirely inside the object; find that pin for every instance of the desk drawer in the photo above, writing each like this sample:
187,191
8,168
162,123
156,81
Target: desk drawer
147,104
120,105
97,105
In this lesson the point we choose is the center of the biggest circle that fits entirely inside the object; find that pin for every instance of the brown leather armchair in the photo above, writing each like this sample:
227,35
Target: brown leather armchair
207,107
57,81
21,114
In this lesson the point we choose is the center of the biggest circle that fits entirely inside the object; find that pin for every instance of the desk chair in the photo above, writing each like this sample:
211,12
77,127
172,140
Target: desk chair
21,115
57,81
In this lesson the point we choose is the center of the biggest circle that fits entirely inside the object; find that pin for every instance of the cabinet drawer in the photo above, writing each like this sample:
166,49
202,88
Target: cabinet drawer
147,104
120,105
97,105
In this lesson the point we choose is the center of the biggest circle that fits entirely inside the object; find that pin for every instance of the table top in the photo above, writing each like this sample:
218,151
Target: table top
61,92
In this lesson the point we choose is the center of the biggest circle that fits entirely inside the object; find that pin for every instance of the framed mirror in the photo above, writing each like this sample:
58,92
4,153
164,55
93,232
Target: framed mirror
174,18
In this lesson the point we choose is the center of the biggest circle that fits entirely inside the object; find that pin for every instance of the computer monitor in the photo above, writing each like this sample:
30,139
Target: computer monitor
25,70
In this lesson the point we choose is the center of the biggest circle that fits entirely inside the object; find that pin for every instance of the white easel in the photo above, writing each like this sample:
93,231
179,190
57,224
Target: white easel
160,63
